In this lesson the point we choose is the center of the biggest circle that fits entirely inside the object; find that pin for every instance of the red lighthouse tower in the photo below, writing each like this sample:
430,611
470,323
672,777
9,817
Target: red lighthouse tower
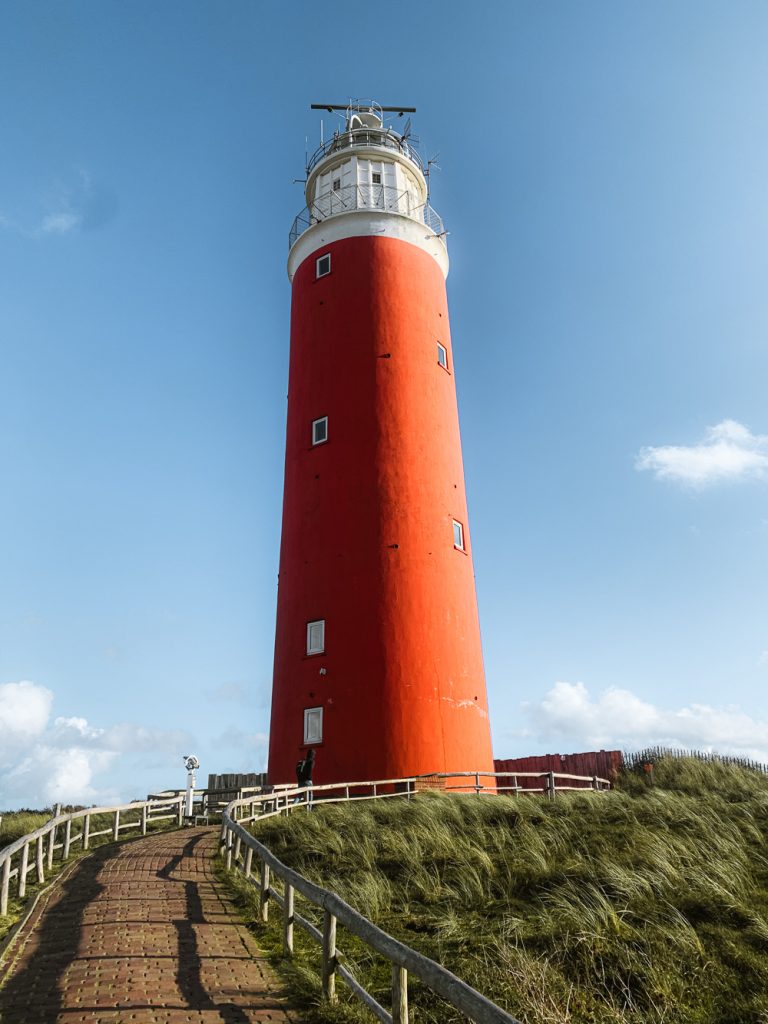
378,663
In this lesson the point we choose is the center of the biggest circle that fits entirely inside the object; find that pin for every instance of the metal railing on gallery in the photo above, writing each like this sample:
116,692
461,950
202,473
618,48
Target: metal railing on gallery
368,198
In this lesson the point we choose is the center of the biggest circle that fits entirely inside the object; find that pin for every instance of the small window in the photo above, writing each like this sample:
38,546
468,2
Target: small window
324,265
458,535
313,725
376,177
336,184
442,355
316,636
320,430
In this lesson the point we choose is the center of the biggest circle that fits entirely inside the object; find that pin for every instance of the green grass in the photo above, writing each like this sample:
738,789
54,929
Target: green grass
646,905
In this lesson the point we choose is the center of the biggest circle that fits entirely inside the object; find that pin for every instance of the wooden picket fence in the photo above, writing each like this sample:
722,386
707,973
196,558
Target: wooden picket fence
240,847
35,852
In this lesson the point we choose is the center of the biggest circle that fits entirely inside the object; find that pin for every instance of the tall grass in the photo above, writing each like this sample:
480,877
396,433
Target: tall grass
646,905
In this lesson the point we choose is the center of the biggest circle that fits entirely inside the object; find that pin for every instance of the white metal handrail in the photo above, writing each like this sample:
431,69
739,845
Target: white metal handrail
45,839
239,847
350,198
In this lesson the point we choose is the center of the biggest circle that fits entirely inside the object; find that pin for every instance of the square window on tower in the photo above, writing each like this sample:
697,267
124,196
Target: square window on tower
442,356
376,177
313,725
320,430
336,184
323,265
458,535
316,636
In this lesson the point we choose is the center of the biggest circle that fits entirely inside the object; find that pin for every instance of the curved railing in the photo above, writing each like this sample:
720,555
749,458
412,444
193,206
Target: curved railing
367,198
44,839
240,846
365,137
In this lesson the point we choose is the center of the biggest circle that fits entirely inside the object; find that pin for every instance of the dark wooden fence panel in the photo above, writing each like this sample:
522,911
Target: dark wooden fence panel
604,763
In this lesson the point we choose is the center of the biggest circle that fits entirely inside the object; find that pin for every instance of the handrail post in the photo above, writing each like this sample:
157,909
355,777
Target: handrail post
288,920
595,784
329,957
477,783
86,831
551,785
236,854
248,862
144,820
52,839
116,827
39,856
180,813
22,889
264,897
4,886
399,995
517,787
67,839
229,849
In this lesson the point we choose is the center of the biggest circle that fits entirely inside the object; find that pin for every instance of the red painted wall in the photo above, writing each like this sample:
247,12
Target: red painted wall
603,763
367,541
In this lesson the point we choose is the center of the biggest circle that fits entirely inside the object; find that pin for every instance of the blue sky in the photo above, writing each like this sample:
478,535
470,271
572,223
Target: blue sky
603,178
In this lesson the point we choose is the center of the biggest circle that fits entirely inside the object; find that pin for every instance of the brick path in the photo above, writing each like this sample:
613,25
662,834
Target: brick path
140,933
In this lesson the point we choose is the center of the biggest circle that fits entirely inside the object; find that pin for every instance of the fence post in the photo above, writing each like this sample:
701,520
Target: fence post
477,783
39,856
288,920
116,826
595,784
180,813
229,849
551,785
67,839
86,831
236,854
144,820
517,788
52,840
23,870
399,995
4,886
248,862
329,957
264,891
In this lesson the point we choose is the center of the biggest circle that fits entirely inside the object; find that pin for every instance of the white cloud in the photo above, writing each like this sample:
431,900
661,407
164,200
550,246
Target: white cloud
729,452
59,223
24,711
42,763
618,718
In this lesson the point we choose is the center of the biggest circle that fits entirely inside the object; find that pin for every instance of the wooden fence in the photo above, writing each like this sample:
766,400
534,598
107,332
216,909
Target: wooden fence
57,834
240,846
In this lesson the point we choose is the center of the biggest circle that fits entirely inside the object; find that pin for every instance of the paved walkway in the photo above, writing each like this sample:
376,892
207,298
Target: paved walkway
140,933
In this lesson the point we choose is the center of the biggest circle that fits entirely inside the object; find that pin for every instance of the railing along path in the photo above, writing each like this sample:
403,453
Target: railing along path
15,862
240,846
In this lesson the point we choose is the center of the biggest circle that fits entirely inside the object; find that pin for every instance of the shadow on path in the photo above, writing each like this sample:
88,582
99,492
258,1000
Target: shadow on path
158,944
34,993
189,975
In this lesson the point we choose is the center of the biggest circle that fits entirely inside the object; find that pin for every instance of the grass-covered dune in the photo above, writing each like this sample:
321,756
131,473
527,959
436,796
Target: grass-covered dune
647,905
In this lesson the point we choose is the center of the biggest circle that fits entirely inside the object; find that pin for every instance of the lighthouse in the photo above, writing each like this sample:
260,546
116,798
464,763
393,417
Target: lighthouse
378,661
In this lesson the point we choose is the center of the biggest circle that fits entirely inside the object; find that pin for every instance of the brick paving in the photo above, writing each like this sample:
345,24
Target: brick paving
141,933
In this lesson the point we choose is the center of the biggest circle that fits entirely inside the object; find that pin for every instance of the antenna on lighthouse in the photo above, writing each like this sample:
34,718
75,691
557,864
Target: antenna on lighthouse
330,107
